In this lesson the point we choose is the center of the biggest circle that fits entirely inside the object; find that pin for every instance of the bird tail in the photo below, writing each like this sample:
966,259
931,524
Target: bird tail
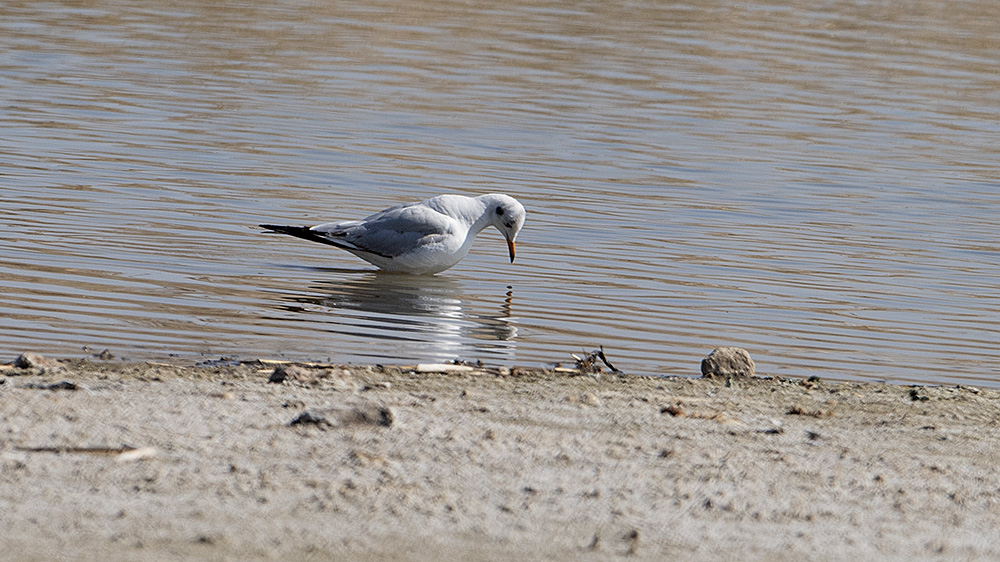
303,232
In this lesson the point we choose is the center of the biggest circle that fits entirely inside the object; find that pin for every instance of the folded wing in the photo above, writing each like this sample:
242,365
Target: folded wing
388,234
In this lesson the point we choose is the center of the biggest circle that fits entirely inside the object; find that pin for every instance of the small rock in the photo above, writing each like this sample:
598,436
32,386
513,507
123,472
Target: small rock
32,360
63,385
309,418
373,414
282,373
674,410
377,386
797,410
364,415
728,362
338,379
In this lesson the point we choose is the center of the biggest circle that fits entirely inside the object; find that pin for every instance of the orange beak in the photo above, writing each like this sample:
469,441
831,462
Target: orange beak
510,248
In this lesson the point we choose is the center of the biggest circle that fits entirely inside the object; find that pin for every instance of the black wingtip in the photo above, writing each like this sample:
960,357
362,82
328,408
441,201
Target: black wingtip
284,229
303,232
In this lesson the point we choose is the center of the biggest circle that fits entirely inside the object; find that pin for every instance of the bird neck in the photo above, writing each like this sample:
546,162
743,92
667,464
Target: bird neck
472,212
480,216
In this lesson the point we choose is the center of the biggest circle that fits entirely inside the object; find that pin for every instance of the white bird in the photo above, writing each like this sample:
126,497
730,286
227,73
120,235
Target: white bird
420,238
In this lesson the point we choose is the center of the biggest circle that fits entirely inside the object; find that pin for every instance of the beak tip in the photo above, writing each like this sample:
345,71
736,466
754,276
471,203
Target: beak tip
510,247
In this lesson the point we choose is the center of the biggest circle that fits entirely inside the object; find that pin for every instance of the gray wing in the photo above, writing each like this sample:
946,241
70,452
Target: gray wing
389,233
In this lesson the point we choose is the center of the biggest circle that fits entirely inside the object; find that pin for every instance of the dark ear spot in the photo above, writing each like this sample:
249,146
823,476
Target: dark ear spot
500,211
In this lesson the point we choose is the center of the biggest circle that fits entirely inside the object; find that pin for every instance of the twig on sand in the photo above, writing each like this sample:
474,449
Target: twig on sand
600,353
588,364
123,453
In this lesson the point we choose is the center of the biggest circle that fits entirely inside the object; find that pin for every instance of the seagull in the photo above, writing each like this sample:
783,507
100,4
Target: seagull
419,238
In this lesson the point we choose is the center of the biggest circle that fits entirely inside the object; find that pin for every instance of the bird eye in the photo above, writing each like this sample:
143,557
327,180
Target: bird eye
500,211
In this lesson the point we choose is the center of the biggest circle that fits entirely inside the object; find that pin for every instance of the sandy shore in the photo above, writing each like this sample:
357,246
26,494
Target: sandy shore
112,461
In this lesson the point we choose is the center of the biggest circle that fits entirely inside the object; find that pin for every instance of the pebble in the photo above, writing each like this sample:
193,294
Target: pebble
338,379
728,362
371,414
309,418
362,415
282,373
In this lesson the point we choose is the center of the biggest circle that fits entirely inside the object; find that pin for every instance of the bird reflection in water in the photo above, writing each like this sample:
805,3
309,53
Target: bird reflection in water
422,317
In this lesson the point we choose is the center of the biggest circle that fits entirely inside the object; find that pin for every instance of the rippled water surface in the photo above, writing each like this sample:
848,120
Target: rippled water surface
817,182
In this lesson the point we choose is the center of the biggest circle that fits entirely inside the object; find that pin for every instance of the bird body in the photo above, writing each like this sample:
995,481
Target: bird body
419,238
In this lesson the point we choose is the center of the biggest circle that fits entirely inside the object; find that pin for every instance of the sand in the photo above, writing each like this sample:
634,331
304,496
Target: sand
102,460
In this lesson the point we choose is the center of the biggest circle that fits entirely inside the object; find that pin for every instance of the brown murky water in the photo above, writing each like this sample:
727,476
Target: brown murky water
815,182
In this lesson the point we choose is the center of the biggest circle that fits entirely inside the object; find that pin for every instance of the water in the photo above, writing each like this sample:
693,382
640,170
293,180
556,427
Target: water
815,182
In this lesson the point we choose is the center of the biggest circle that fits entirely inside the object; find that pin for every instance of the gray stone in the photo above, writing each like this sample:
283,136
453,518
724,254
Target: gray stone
32,360
310,418
282,373
728,362
364,414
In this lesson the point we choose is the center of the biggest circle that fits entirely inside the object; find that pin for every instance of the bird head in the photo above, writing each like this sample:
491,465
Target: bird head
507,215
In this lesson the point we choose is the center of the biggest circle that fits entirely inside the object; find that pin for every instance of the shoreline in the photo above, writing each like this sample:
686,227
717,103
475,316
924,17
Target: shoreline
149,461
